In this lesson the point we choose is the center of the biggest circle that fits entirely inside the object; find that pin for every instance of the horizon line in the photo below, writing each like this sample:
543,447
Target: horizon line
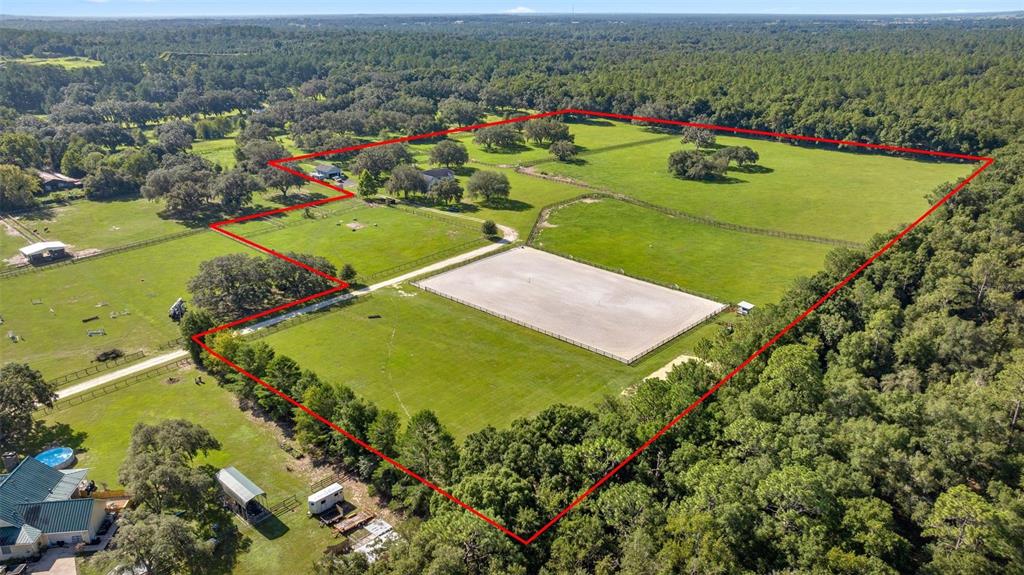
512,14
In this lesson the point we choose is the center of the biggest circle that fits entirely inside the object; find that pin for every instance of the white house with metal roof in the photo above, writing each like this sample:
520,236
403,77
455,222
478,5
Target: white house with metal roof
40,507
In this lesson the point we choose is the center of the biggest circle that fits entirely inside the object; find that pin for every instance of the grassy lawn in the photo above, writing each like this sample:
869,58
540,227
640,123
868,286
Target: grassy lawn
471,368
803,190
813,191
86,224
287,546
10,241
66,62
219,151
386,237
729,266
145,282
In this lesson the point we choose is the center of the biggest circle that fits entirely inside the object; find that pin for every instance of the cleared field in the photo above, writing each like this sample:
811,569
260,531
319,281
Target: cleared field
372,239
821,192
143,282
841,195
219,151
66,62
730,266
10,241
146,281
611,314
86,224
100,431
427,352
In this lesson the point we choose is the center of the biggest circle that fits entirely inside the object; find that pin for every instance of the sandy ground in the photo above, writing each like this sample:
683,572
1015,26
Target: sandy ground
612,314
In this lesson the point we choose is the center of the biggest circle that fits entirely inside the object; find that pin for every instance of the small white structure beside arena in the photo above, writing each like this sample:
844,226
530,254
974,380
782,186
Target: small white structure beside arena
605,312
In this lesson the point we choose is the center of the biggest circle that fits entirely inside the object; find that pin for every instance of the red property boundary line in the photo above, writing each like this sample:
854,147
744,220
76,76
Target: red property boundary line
340,285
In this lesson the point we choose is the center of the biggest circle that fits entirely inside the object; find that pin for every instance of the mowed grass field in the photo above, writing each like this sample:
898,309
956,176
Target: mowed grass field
841,195
729,266
86,224
66,62
219,151
103,428
372,239
144,282
469,367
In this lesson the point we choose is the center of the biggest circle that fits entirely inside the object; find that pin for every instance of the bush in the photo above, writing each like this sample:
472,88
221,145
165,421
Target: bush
489,228
563,150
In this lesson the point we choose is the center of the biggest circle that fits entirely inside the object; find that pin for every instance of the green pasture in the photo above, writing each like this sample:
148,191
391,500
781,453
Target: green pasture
726,265
220,151
471,368
841,195
144,282
10,241
85,224
66,62
371,238
100,431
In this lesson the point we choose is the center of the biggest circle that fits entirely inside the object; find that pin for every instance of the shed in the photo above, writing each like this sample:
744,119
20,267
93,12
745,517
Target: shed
244,496
42,251
325,499
744,307
53,181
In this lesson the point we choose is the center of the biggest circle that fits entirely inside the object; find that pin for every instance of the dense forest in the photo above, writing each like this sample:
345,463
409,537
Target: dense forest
952,84
879,436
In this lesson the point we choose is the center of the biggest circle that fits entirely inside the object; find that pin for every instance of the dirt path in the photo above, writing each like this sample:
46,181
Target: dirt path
123,372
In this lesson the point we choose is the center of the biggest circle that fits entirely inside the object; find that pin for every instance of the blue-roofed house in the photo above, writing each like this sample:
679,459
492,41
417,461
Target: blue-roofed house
41,506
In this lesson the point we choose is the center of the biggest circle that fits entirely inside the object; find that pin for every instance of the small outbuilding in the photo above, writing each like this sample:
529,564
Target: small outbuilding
327,171
55,181
744,307
42,252
242,495
325,499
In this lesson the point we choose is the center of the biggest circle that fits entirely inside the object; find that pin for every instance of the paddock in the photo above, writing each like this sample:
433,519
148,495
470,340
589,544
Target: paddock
611,314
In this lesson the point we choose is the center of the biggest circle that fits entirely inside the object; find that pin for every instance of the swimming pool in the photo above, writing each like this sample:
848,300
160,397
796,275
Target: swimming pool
58,457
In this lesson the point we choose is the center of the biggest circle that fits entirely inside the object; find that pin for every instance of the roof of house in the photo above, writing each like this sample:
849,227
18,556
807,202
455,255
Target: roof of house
48,177
238,485
58,516
325,492
40,247
35,498
33,481
438,173
745,305
327,168
23,535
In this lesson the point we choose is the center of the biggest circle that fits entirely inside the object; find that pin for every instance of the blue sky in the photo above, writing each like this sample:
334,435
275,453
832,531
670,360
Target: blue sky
107,8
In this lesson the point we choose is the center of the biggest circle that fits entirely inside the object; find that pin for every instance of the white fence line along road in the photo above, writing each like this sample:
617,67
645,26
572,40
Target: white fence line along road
120,373
508,236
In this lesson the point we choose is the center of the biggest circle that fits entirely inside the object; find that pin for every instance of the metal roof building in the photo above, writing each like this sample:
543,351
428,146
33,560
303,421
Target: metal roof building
244,495
44,249
38,509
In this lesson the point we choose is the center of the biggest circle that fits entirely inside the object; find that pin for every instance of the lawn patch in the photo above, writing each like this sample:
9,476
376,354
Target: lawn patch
725,264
